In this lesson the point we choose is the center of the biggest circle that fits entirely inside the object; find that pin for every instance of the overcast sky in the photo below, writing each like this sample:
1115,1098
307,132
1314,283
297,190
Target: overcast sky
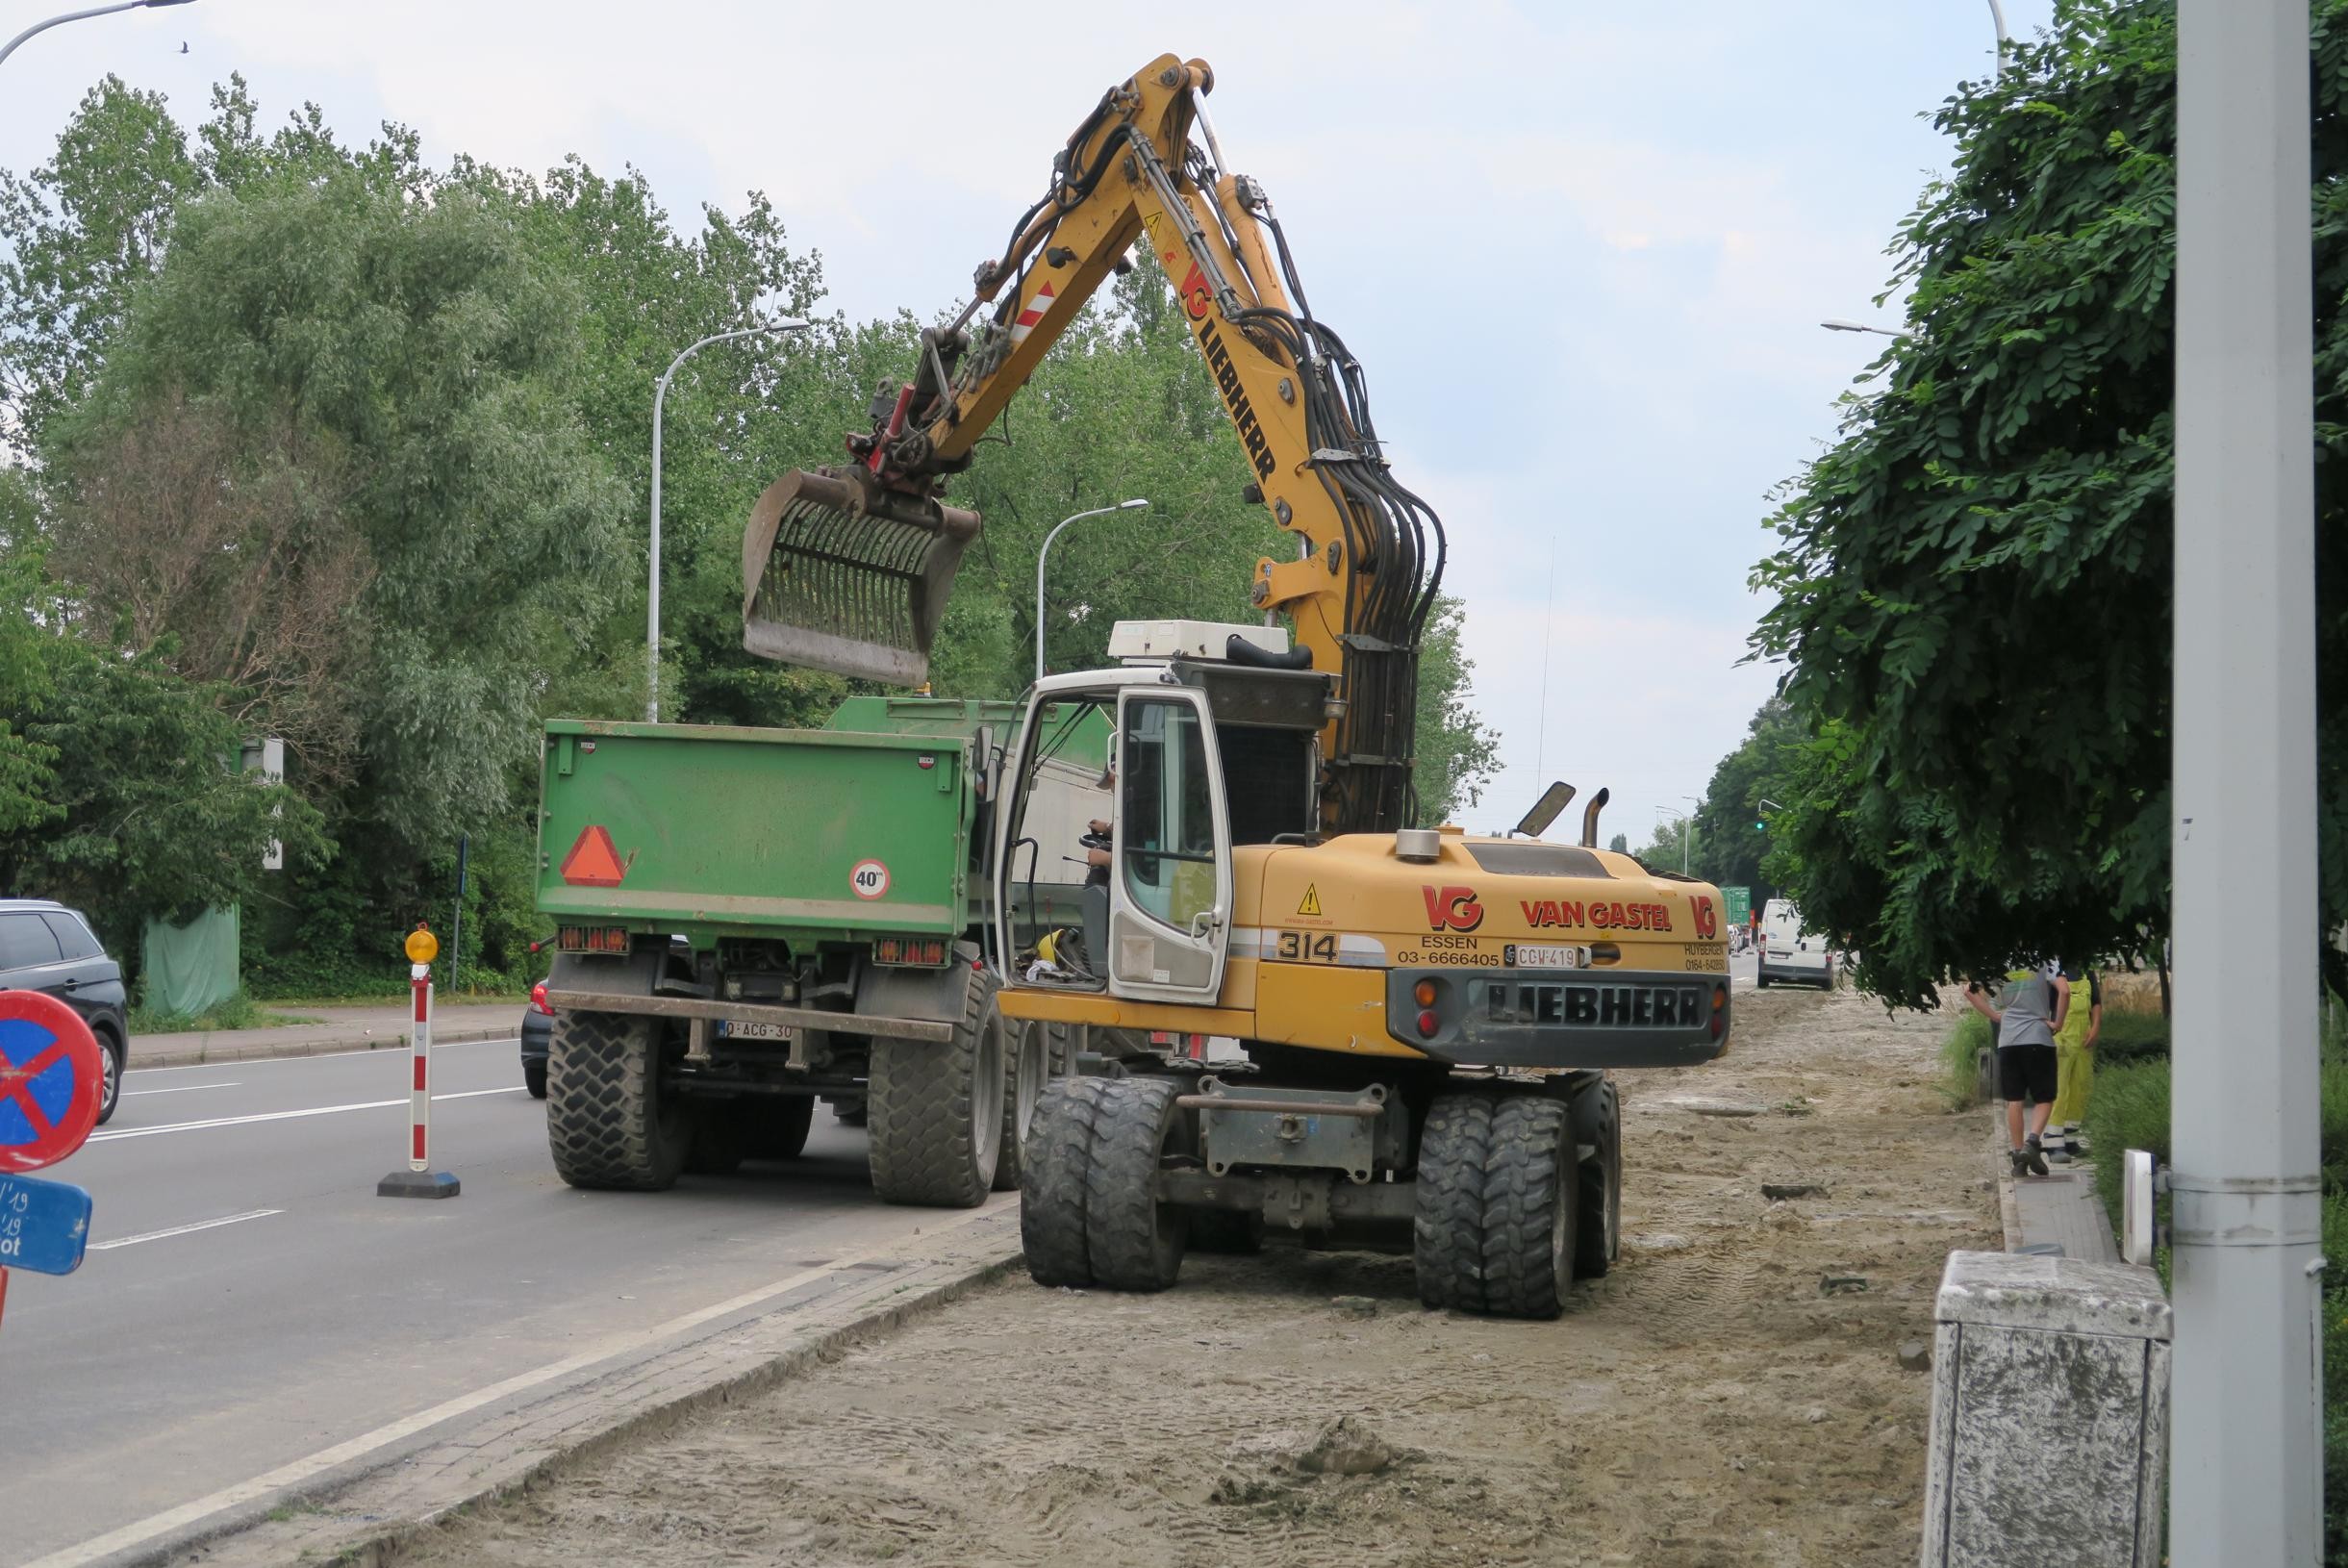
1582,249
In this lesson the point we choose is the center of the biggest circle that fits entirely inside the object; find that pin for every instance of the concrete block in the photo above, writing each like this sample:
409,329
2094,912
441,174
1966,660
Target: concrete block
2050,1414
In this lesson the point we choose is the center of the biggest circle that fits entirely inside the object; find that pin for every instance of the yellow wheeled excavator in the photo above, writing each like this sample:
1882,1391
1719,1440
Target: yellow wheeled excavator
1422,1021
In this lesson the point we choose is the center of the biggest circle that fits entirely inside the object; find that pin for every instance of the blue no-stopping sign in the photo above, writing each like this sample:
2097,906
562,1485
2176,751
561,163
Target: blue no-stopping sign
44,1225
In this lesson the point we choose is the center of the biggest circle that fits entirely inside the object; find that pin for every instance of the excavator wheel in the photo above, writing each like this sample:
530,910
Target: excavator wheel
1598,1232
1089,1212
1033,1057
1499,1204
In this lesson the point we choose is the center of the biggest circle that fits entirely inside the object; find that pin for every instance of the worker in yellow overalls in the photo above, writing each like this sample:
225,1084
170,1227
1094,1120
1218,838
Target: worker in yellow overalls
2073,1066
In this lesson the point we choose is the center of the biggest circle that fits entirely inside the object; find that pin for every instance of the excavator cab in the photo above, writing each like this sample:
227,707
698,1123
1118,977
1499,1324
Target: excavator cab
1211,756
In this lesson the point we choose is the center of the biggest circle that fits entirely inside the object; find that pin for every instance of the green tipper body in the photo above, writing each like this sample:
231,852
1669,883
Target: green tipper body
721,831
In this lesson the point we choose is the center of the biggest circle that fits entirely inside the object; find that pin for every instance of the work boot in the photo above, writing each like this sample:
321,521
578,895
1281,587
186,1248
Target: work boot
2021,1162
2034,1158
2058,1155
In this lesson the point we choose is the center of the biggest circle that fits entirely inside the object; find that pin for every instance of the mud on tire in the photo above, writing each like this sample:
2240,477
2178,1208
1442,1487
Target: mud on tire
608,1124
935,1111
1498,1206
1089,1213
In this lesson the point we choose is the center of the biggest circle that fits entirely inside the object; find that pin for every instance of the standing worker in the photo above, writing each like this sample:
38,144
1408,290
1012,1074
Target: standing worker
2074,1065
2030,1007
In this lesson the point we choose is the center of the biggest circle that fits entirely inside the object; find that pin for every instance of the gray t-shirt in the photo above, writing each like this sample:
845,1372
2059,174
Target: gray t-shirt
2028,1006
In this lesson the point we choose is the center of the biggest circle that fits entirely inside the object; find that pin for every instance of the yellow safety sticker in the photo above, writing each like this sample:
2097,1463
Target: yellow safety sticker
1311,904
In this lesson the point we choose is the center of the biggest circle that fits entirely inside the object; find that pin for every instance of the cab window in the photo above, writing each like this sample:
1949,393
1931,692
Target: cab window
1166,824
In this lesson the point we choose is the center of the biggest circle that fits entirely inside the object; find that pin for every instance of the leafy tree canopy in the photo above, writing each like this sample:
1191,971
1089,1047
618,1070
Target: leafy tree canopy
1974,584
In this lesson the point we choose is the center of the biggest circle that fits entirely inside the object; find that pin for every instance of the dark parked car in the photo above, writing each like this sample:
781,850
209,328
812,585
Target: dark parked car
537,1029
46,947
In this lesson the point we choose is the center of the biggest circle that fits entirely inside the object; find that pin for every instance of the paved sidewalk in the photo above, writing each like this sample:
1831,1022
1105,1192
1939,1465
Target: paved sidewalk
2059,1212
338,1028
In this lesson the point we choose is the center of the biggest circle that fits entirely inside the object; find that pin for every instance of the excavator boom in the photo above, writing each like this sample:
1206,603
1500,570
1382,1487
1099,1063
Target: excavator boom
847,568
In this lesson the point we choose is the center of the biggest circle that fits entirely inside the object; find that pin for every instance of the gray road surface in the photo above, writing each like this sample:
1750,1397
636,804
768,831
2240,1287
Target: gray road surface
309,1311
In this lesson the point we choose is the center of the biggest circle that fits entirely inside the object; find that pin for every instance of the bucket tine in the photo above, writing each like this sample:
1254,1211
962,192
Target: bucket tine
841,576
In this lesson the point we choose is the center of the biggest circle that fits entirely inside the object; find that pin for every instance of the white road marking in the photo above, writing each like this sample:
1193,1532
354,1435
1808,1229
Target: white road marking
301,1470
184,1230
394,1045
181,1089
112,1133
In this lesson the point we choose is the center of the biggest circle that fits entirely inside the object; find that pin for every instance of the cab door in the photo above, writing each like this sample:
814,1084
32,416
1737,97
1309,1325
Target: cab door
1170,887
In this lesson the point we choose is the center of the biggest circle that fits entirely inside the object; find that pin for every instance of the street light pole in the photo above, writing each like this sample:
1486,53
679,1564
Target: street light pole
1040,555
652,609
1687,829
9,48
1997,19
1856,326
2245,1444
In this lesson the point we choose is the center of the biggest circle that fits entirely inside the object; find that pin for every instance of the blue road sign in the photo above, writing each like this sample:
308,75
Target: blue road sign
43,1225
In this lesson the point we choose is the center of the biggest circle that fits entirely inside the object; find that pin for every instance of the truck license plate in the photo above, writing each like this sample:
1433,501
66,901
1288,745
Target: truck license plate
732,1029
1538,955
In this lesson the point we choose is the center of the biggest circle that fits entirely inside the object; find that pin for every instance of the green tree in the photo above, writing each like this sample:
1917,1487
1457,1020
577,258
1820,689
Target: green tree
1974,584
1456,750
426,344
1733,838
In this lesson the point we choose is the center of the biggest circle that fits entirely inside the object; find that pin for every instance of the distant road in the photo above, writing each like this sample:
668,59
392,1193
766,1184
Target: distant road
248,1300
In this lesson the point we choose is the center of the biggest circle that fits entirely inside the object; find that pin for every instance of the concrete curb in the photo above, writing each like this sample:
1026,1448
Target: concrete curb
272,1050
370,1511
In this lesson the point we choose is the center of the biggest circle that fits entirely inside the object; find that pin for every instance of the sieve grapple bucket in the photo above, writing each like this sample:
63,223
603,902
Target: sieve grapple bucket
841,574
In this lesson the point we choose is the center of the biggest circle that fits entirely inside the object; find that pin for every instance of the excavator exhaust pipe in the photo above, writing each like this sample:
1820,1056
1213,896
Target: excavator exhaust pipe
838,573
1589,818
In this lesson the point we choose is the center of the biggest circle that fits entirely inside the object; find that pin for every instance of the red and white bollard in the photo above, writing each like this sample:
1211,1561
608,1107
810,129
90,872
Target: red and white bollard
419,1179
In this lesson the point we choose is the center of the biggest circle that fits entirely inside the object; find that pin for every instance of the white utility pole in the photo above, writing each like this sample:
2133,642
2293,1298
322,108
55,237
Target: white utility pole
1046,551
652,611
2246,1450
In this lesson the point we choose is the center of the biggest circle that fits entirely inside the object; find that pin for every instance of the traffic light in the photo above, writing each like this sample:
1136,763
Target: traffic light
1759,826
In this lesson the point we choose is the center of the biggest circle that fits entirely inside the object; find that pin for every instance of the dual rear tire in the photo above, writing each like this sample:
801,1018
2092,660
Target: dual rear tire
1087,1211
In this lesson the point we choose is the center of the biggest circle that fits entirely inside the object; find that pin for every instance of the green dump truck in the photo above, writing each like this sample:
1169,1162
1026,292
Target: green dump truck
748,921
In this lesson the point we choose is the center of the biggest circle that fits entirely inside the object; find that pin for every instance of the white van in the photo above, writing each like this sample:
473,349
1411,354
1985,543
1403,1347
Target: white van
1788,952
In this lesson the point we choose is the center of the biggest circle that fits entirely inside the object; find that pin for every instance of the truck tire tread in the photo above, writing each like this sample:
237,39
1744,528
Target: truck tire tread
605,1123
1052,1190
1533,1174
921,1113
1133,1242
1446,1231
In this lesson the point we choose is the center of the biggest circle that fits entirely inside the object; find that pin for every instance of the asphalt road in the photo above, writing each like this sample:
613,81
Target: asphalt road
248,1300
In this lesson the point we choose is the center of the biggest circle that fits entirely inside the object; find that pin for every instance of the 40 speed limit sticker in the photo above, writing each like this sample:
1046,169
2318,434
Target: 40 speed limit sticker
869,880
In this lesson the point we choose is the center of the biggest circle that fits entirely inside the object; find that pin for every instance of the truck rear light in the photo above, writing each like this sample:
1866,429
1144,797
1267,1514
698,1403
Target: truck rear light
538,999
1427,1024
1423,993
925,951
591,939
1719,1009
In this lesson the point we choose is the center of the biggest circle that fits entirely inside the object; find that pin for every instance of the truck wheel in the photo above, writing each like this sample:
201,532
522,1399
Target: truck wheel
720,1136
936,1112
534,1077
1598,1232
607,1122
1133,1241
1053,1186
1499,1203
778,1130
1028,1067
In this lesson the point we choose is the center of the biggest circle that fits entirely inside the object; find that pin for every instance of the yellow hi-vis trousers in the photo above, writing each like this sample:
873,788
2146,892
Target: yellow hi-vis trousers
2074,1076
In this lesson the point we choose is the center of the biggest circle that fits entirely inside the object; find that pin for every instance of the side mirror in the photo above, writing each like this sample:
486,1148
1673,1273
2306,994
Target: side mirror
1546,810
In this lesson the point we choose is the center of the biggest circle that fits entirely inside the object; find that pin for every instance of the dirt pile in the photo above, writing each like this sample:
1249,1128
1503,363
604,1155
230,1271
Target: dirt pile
1733,1394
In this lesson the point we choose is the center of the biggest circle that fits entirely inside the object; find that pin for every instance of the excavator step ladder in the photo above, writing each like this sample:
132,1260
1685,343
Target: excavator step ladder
838,573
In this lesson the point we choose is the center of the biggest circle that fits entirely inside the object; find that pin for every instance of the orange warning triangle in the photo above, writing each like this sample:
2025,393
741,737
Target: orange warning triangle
592,862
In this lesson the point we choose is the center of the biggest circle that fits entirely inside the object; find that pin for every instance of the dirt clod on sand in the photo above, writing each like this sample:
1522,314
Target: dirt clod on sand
1703,1407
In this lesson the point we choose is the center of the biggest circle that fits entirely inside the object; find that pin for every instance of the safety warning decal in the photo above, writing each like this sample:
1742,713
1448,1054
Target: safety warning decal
1310,904
593,862
869,880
